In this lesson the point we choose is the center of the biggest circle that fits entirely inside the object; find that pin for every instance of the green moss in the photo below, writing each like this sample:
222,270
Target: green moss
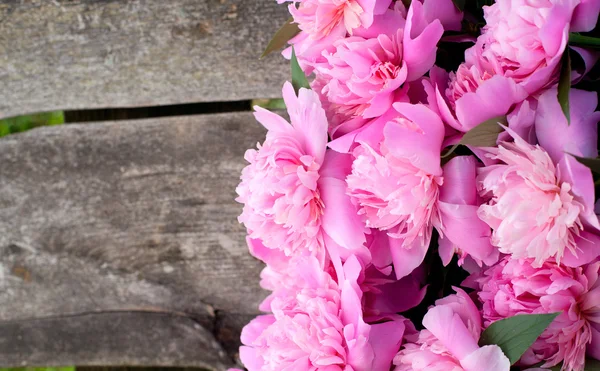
23,123
39,369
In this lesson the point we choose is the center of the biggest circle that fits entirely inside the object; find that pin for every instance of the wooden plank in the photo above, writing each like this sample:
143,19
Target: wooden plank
76,54
94,339
136,215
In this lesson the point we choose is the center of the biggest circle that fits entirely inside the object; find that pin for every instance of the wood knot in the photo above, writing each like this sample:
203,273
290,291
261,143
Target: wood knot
22,273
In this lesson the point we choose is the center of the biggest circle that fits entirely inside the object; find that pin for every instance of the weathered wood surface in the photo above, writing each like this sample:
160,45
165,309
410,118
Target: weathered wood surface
93,338
76,54
101,221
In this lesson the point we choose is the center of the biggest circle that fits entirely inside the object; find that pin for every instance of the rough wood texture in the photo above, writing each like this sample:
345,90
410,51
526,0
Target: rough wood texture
148,338
129,216
75,54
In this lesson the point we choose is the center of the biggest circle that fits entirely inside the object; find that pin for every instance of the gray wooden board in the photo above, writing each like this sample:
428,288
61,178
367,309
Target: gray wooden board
76,54
120,338
127,216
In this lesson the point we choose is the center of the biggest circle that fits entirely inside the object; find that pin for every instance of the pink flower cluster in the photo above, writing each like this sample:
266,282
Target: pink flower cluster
346,200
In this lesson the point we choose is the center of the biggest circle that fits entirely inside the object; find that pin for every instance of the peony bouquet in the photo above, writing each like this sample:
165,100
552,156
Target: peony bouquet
428,201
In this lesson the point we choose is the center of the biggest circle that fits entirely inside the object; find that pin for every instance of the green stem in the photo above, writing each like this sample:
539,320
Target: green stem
576,39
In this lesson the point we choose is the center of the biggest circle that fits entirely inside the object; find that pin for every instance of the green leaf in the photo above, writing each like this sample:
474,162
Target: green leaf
282,36
270,104
299,79
592,163
564,85
514,335
576,39
482,135
459,4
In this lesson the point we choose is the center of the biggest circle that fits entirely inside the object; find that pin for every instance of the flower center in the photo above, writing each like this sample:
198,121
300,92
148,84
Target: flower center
383,72
347,11
316,207
465,80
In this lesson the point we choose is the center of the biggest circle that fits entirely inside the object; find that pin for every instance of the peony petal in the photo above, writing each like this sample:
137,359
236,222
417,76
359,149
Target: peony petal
380,103
593,349
476,107
386,23
385,339
251,360
273,257
255,328
448,327
271,121
356,331
351,312
588,249
380,249
343,143
387,300
439,105
340,218
557,136
581,180
466,231
406,259
522,121
420,44
446,250
462,304
422,147
489,358
336,165
556,25
585,16
589,57
444,10
381,6
459,181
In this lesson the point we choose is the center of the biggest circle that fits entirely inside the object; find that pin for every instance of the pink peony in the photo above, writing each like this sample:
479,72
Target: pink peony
512,287
319,18
323,22
533,209
398,186
366,73
468,97
291,279
517,54
525,40
449,341
319,326
395,181
464,80
282,202
562,140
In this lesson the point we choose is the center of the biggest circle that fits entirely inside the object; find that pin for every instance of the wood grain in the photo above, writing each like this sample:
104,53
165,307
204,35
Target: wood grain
78,54
93,338
129,216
